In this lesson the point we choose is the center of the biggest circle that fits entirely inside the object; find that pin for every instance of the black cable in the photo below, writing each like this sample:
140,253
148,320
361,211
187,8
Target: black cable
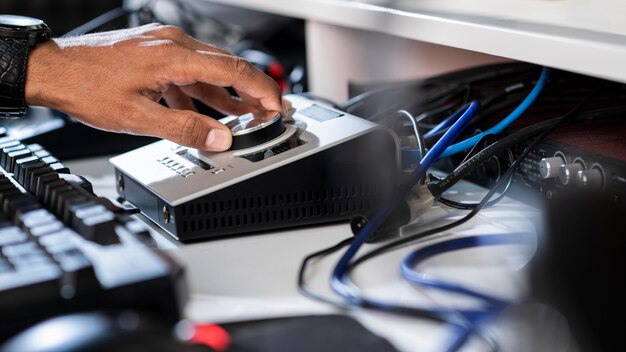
464,76
308,291
470,206
549,127
437,189
505,142
98,22
426,101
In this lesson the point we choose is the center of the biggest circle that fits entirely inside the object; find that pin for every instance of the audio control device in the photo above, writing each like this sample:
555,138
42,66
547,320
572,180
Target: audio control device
589,155
319,165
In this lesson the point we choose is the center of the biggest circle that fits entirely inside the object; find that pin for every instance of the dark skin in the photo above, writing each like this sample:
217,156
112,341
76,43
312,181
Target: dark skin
114,80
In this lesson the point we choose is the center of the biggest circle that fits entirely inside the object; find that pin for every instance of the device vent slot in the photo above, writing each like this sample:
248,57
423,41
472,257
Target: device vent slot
260,210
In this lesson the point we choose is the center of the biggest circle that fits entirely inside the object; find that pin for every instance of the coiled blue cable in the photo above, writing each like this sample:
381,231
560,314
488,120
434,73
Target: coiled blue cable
506,122
493,305
413,259
338,284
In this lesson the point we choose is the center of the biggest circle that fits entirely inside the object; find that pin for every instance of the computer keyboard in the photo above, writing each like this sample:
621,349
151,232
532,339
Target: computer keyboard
64,249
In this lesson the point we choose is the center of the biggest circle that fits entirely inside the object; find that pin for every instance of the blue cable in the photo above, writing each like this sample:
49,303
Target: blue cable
507,121
493,305
412,156
338,282
447,122
413,259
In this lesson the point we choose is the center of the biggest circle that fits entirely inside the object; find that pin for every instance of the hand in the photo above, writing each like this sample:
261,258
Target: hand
114,80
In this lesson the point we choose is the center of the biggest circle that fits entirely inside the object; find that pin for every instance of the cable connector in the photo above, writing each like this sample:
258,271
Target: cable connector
416,203
419,200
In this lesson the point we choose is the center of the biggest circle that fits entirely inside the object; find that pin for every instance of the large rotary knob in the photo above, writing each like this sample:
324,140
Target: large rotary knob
254,128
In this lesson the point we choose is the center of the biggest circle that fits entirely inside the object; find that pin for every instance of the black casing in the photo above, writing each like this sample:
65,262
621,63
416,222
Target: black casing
335,184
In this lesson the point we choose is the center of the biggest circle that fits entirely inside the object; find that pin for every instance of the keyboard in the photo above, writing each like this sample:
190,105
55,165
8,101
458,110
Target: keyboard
64,249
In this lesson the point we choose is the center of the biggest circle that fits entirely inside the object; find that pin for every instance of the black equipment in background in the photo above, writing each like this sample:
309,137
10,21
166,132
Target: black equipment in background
581,267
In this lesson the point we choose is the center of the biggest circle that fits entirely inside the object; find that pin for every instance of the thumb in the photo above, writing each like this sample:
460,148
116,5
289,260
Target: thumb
191,129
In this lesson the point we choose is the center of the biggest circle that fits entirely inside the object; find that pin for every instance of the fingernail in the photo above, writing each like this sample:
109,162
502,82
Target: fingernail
286,105
218,139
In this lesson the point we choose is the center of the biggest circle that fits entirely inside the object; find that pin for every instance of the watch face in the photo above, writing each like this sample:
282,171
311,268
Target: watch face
19,21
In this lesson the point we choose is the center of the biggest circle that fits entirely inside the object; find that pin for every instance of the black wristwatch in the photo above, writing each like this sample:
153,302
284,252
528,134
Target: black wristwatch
18,34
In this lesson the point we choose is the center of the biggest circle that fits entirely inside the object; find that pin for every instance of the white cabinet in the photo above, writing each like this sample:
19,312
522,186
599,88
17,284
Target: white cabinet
369,40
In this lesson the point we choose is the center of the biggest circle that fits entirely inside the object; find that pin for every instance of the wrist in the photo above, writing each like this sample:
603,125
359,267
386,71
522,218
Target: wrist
42,62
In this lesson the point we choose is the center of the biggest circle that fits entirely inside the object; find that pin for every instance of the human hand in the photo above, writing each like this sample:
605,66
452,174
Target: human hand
114,80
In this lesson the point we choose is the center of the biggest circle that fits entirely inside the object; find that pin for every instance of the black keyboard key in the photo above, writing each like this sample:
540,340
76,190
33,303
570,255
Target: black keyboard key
30,180
19,249
26,169
58,241
69,204
34,175
71,259
6,186
35,147
19,205
41,153
23,287
37,258
45,229
49,187
11,235
57,194
5,151
16,208
78,181
100,228
14,157
60,168
49,160
35,218
41,183
95,223
56,205
8,142
20,165
10,198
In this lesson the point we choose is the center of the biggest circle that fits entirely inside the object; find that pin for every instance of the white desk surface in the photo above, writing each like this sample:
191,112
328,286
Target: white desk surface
255,276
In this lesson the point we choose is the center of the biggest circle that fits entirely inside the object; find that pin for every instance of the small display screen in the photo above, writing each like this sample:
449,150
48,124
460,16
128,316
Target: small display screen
319,113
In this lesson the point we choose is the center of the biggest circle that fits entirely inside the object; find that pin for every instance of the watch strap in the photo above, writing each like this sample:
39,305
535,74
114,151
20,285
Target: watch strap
13,56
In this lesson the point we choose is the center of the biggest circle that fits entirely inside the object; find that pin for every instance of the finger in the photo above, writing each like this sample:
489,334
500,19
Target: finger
248,99
177,99
218,98
184,127
179,36
227,71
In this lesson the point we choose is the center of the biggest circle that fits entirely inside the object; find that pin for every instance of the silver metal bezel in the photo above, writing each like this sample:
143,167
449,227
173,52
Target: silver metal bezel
250,116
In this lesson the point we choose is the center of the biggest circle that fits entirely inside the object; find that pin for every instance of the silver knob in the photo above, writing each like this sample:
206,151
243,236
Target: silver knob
567,172
549,167
592,178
